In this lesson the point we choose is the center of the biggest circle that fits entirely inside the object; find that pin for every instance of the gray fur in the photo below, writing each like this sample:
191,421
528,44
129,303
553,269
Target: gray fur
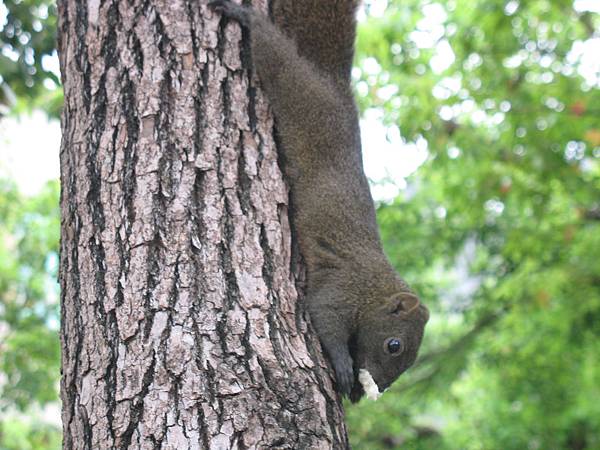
355,298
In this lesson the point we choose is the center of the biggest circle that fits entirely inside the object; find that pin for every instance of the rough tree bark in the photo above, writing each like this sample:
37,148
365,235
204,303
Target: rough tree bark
180,325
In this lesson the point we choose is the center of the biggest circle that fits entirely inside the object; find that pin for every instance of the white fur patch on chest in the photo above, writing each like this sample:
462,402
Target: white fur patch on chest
368,384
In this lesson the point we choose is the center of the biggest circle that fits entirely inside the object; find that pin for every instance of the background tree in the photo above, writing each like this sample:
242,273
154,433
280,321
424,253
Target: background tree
29,347
180,326
27,69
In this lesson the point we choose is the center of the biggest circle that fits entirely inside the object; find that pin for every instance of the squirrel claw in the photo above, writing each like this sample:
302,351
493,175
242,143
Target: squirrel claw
344,376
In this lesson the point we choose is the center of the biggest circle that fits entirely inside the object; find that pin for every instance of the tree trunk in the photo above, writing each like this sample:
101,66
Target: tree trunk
180,322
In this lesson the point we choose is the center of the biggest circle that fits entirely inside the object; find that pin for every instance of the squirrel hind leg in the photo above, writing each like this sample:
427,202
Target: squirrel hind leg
324,32
231,10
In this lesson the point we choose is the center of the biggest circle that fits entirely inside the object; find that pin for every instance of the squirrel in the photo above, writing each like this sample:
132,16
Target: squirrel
369,322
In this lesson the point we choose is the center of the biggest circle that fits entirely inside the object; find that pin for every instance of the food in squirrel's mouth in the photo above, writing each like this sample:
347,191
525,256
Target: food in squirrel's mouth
368,384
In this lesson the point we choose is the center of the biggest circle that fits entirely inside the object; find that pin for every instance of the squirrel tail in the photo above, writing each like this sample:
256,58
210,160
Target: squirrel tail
323,30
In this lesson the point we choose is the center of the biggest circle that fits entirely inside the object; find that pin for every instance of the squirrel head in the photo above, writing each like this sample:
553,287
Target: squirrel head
386,343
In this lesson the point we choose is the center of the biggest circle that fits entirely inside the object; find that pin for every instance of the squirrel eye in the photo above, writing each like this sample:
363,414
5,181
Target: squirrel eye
393,345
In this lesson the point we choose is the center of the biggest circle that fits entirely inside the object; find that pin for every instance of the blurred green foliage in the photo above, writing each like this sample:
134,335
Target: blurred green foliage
499,230
29,435
29,229
28,59
29,320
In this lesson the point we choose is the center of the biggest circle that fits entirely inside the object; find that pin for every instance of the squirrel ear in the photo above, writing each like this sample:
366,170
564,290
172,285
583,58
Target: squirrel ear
402,303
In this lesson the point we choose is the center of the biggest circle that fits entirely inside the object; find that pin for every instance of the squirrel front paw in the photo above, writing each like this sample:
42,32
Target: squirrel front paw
344,374
231,10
